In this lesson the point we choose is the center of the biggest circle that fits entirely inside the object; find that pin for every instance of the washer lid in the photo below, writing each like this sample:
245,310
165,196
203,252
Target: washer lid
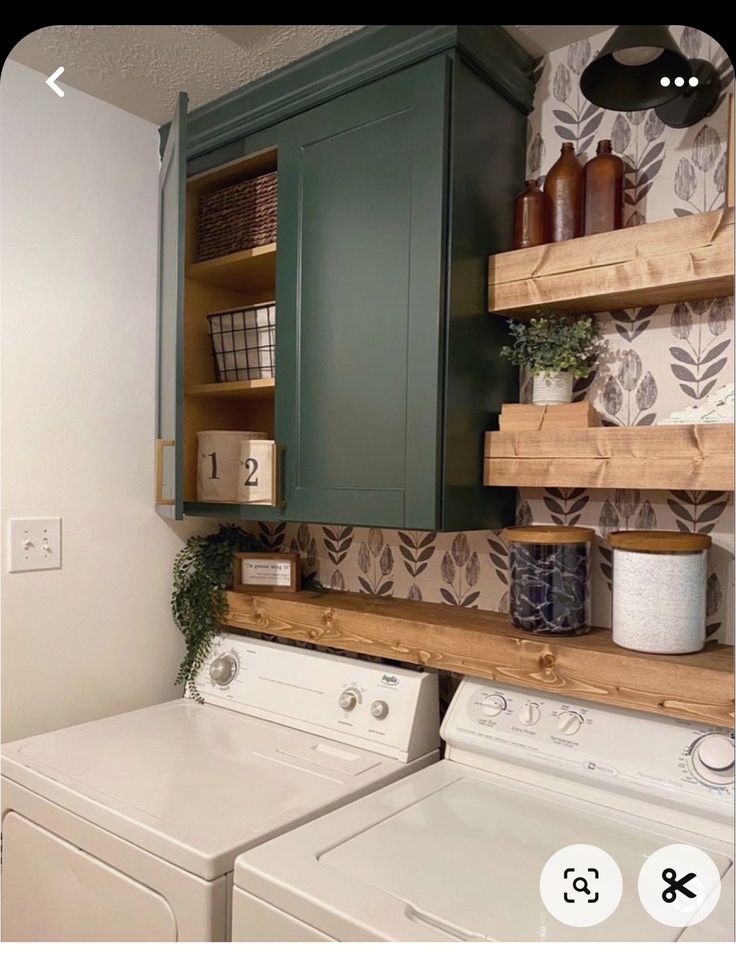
194,784
468,859
425,860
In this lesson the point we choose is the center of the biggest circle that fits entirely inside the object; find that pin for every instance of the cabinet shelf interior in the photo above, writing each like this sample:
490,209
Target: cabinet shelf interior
242,278
238,389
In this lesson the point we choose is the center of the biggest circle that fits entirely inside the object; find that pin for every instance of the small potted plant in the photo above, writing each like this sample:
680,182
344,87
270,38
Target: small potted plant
556,349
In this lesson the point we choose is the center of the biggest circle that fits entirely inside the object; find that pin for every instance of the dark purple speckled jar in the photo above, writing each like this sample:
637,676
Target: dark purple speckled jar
550,578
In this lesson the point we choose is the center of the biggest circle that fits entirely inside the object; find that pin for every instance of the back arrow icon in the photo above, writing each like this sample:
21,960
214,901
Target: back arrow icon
51,82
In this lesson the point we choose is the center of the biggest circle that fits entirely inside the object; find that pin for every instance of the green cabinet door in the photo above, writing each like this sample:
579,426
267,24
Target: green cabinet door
361,231
169,366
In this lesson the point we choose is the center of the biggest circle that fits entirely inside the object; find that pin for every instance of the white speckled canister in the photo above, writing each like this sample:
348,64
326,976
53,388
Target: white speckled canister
659,590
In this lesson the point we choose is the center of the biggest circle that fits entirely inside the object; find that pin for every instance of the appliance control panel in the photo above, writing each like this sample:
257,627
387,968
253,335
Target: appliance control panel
386,709
658,755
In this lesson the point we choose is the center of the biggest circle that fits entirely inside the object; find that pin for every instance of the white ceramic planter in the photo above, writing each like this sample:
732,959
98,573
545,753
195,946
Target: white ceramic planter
555,389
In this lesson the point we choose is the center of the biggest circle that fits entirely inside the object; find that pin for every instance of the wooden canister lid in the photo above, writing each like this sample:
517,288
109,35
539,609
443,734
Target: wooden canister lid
659,541
546,534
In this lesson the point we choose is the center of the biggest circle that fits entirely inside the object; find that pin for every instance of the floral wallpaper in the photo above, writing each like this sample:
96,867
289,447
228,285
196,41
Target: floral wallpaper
658,359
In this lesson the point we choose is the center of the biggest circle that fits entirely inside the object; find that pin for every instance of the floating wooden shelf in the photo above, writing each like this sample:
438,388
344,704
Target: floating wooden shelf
252,270
661,457
670,261
248,390
698,686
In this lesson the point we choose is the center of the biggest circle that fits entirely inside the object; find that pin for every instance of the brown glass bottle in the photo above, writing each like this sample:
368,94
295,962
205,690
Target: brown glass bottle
530,222
563,189
604,190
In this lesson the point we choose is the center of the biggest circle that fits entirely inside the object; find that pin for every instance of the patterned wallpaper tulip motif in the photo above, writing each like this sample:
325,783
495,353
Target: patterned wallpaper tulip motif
658,359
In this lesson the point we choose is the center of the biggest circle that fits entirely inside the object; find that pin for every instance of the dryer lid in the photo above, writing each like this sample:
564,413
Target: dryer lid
193,783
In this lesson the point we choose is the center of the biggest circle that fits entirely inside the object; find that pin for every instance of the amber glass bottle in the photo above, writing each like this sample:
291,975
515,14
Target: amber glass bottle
563,189
530,222
604,190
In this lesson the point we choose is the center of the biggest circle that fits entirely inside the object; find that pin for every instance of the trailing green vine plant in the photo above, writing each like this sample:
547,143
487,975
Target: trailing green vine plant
202,573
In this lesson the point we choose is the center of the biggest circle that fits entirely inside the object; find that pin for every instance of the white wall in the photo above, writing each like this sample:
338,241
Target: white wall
79,217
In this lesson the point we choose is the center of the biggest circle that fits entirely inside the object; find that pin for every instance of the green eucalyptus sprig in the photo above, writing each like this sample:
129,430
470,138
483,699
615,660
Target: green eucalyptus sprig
549,343
202,573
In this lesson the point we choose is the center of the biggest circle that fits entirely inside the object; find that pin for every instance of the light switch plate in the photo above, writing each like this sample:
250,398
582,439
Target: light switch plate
34,544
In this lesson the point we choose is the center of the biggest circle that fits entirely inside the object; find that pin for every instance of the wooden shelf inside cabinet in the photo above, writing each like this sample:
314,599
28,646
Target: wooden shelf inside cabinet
252,270
244,390
656,457
669,261
698,686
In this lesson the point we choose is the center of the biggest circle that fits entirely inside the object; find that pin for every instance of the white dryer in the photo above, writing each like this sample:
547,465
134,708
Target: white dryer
126,829
455,852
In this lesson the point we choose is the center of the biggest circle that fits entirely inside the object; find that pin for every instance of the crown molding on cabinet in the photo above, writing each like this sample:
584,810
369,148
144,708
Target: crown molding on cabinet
350,62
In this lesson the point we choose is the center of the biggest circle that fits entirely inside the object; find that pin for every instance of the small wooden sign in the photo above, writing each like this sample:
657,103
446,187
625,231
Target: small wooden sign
254,572
258,472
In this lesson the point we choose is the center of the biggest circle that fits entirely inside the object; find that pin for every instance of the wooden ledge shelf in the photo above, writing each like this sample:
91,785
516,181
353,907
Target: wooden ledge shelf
656,457
670,261
252,270
251,390
696,687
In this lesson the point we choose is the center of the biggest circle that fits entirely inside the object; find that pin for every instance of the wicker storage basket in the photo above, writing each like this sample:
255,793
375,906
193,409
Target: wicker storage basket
237,217
243,342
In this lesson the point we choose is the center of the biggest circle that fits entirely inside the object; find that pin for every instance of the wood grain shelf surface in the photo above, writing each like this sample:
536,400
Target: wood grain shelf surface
645,457
698,687
240,389
680,259
251,271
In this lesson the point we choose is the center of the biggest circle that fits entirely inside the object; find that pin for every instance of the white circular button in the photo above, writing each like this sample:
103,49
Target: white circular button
223,669
716,751
581,885
529,714
569,723
712,759
679,885
493,705
348,700
379,709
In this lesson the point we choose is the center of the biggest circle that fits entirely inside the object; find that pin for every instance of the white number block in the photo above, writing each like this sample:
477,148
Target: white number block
258,481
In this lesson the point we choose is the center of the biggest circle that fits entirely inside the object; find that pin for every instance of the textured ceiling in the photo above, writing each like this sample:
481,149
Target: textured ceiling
141,68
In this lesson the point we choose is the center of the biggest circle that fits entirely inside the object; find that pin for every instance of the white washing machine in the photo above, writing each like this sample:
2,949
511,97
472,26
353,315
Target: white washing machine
126,829
455,852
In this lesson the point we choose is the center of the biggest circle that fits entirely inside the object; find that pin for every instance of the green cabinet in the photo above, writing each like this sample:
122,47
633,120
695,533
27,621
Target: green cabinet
360,315
391,194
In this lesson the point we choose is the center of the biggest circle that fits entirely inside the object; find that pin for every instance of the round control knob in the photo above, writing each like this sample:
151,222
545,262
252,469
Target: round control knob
712,758
379,709
530,714
348,700
569,723
493,705
223,669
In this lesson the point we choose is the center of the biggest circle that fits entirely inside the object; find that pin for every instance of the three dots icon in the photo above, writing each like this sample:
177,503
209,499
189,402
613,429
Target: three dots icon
665,81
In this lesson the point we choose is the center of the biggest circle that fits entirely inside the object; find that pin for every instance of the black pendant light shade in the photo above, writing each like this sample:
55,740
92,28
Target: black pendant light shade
627,73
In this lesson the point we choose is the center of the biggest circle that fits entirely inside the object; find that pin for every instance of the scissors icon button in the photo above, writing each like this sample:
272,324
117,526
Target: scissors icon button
669,894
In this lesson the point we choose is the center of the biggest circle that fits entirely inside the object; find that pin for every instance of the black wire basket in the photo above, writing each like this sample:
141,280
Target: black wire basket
243,342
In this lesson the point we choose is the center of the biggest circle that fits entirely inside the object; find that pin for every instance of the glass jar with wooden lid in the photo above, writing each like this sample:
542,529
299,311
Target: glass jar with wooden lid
659,590
550,578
